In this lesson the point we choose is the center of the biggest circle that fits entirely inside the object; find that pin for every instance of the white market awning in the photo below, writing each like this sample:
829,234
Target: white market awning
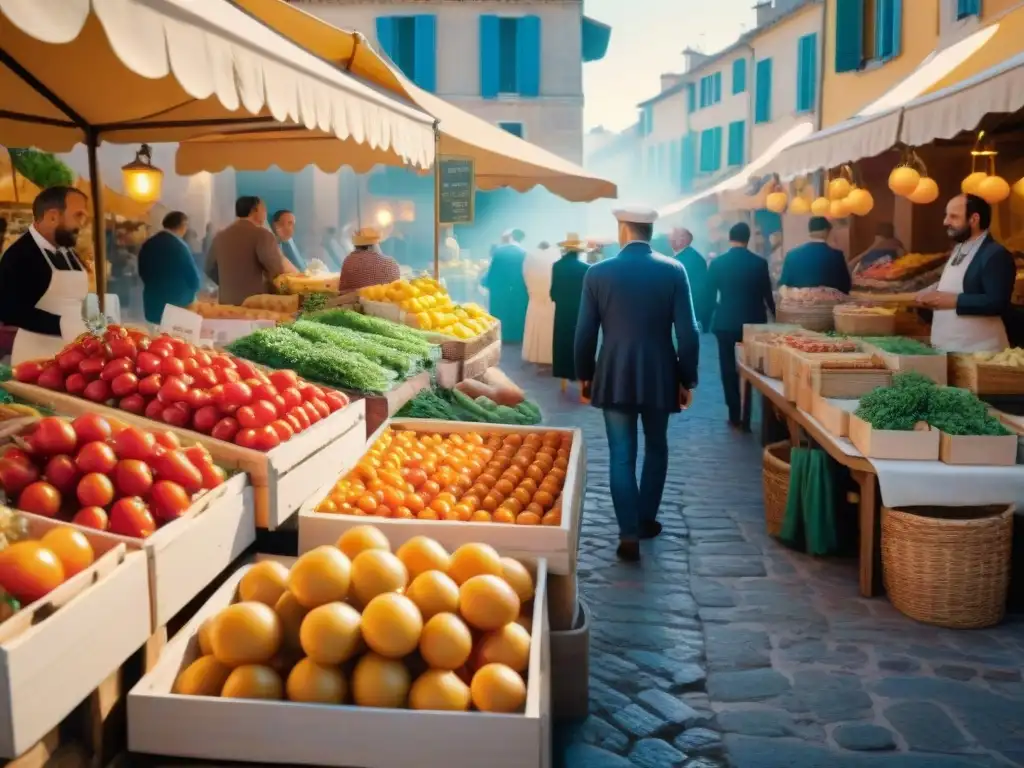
742,177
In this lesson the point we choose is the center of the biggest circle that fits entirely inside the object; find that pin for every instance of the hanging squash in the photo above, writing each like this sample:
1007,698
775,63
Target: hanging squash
821,206
969,186
838,189
1018,188
993,189
838,209
776,202
799,206
903,180
860,202
926,192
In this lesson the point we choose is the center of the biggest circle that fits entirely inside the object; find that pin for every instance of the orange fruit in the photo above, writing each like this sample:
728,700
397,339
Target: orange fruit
536,508
330,634
71,547
473,559
415,503
498,688
374,572
246,633
490,502
462,512
363,537
28,571
554,517
509,645
439,689
291,615
253,681
434,592
445,642
503,515
528,518
517,577
428,514
512,506
522,495
481,516
544,498
392,625
205,645
315,684
420,554
264,582
380,682
320,576
203,677
488,602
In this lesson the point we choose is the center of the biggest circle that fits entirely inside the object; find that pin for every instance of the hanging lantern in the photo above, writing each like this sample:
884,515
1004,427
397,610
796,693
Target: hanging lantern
799,206
142,180
969,186
993,189
926,192
903,180
860,202
776,202
821,207
838,189
838,209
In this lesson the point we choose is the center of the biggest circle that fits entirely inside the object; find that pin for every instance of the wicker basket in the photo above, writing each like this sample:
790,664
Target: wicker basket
776,485
948,566
812,317
862,324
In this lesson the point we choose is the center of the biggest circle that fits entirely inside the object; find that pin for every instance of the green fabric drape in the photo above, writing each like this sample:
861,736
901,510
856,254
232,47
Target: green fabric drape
810,523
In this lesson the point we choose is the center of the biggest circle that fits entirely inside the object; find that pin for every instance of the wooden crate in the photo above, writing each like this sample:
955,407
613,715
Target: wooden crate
833,415
380,408
557,545
464,349
842,383
918,445
58,651
282,478
935,367
451,372
978,450
983,379
210,728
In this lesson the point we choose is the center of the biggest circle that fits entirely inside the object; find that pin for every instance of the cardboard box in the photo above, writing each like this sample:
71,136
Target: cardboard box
979,450
935,367
916,445
570,668
833,414
209,728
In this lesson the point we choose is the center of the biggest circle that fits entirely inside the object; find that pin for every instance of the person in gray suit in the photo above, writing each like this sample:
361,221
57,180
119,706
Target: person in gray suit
633,300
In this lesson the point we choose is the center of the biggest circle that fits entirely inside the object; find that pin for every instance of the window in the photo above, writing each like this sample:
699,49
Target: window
410,42
710,89
509,56
516,129
763,91
710,150
867,30
965,8
646,120
737,142
689,162
691,97
806,72
739,76
887,33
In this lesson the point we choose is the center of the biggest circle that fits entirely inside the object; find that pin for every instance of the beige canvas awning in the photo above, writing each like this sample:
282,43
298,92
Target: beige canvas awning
501,159
875,128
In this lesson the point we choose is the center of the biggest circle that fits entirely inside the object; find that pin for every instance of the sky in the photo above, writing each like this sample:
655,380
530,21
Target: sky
647,39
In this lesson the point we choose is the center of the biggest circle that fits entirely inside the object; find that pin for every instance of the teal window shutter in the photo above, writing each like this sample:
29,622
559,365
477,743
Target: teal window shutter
689,161
490,52
673,163
691,97
425,56
386,35
739,76
707,150
737,142
528,56
763,91
849,35
965,8
896,13
718,148
718,87
807,72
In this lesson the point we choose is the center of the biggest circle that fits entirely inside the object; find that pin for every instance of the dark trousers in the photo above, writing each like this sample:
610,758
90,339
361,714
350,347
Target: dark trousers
727,341
635,505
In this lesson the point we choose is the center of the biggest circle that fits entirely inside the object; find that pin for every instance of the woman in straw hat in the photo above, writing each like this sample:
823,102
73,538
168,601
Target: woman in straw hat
367,265
566,290
540,312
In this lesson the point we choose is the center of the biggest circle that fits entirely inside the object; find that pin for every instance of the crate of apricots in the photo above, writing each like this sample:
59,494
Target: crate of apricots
519,489
355,654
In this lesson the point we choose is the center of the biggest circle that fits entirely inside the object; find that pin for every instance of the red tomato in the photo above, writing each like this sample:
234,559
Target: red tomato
299,412
177,415
172,366
95,490
321,407
12,453
294,423
173,390
168,440
170,501
235,394
266,439
123,347
134,443
124,385
308,391
75,384
162,351
246,438
264,392
245,369
198,398
15,476
284,379
116,367
206,378
183,350
132,477
203,358
92,517
291,396
91,345
30,571
52,436
335,401
96,457
52,377
62,473
283,429
205,419
176,467
312,412
225,429
70,359
222,361
191,366
147,363
150,386
133,404
93,366
154,409
98,391
28,372
91,428
131,517
212,475
40,498
228,376
198,455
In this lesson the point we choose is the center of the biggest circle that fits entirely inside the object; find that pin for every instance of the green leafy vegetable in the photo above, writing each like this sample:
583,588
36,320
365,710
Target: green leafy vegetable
314,302
900,345
365,344
452,405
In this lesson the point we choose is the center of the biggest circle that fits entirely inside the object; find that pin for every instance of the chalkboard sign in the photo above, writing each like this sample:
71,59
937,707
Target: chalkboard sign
456,190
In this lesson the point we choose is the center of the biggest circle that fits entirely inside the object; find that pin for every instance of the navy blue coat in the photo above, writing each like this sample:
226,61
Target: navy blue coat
633,300
740,290
815,264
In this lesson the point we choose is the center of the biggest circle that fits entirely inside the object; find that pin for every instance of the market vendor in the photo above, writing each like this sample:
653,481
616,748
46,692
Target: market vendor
168,269
506,286
42,281
972,300
283,224
244,257
367,265
816,264
884,250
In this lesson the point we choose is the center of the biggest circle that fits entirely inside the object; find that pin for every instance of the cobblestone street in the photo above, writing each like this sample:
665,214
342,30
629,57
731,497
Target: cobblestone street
724,648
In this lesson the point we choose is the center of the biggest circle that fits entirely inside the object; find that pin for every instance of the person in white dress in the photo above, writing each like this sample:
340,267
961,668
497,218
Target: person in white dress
538,335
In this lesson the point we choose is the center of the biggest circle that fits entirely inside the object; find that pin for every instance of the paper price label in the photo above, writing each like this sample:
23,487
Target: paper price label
181,323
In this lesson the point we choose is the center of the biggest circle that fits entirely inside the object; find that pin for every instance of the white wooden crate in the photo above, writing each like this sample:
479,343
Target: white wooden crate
288,733
558,545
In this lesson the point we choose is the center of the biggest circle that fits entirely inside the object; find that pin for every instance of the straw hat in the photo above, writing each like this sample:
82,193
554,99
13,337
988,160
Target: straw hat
573,242
366,236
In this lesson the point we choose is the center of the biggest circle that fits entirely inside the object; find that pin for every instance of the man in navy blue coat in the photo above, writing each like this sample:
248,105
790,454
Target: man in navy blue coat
634,300
816,263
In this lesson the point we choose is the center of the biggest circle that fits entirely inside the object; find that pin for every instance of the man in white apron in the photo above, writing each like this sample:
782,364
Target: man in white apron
973,296
42,281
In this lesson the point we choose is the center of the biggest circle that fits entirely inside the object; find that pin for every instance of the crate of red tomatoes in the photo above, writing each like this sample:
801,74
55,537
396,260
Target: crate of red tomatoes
272,425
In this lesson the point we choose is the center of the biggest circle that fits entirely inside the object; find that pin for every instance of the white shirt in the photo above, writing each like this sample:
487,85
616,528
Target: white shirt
965,333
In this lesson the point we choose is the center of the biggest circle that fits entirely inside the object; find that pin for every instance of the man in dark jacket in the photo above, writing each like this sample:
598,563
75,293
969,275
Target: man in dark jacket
634,300
816,264
168,269
696,272
739,285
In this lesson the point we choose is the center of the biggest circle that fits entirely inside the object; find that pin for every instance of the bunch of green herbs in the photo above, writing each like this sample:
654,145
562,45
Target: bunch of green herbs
402,363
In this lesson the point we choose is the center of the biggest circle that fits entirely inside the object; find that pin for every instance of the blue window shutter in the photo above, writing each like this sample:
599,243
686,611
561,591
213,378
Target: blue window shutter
689,162
896,13
528,56
849,35
718,87
386,35
718,148
691,97
965,8
739,76
763,91
737,142
807,67
425,66
490,51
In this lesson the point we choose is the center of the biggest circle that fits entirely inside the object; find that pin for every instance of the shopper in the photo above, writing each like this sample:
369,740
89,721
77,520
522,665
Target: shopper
741,290
504,282
168,269
539,330
244,258
816,263
283,224
696,272
567,277
367,265
633,301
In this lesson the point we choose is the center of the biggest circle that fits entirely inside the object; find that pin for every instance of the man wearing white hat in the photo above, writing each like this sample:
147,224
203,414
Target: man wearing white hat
634,300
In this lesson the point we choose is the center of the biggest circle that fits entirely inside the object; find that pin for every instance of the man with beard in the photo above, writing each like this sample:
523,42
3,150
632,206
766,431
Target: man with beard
971,302
42,280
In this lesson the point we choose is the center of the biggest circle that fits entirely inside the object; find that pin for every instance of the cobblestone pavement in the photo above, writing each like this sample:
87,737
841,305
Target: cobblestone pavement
724,648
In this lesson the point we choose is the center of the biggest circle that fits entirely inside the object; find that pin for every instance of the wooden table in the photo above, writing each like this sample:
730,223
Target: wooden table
801,424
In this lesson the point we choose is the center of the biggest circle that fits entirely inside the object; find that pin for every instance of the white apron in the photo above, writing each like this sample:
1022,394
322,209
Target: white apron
965,333
539,331
68,289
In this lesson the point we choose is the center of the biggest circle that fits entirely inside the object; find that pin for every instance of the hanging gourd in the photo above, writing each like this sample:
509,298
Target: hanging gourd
860,202
838,209
776,202
903,180
969,186
1018,188
993,189
926,192
821,206
839,188
799,206
986,184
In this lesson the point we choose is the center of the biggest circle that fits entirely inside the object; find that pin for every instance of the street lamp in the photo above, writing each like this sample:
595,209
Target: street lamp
142,180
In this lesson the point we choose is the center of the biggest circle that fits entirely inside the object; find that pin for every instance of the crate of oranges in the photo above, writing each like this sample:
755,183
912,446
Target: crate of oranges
519,489
357,655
